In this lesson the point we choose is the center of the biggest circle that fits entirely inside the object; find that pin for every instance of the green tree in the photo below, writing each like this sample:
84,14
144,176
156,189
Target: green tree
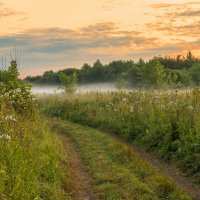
152,74
183,77
10,75
132,75
69,82
49,77
195,73
85,73
171,78
98,71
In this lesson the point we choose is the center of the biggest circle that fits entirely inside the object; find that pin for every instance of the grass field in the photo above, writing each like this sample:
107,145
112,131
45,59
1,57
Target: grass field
164,123
52,159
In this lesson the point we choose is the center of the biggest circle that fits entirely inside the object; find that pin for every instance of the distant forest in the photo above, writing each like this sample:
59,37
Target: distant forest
182,71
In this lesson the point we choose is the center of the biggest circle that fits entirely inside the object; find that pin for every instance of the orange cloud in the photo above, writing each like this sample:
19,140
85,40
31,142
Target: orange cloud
179,20
173,5
7,12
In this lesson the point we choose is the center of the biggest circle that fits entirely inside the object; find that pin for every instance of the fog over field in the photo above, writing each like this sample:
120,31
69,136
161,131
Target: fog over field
84,88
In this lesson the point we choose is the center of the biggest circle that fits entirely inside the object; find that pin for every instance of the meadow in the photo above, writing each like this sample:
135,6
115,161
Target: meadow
167,123
47,155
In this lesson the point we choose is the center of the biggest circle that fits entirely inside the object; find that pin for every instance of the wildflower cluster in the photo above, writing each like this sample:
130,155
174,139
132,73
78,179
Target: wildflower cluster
5,137
7,124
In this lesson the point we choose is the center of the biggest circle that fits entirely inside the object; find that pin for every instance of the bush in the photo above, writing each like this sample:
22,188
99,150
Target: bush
14,91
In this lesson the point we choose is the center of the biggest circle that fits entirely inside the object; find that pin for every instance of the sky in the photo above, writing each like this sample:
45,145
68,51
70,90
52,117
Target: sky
52,35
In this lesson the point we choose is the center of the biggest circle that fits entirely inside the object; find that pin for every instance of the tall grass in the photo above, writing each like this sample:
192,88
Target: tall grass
30,154
166,123
30,157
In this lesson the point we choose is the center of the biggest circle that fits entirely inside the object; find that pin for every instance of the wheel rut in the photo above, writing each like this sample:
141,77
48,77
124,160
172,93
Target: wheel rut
79,184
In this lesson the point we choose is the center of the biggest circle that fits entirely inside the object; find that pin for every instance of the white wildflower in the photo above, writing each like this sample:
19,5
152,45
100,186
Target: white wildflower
190,107
124,99
36,198
18,90
10,118
5,137
162,106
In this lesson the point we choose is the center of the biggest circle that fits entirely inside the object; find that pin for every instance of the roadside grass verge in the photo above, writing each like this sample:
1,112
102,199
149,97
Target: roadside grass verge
30,158
117,172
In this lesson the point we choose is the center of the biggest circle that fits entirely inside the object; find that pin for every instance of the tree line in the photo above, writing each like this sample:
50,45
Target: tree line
182,71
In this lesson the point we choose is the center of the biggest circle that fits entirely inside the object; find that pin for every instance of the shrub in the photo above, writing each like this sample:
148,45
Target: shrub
14,91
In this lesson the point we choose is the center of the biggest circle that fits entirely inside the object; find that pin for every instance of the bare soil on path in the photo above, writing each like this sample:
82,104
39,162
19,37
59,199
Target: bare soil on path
79,183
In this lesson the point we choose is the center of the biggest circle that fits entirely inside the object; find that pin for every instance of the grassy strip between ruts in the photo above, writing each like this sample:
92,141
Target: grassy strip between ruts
117,172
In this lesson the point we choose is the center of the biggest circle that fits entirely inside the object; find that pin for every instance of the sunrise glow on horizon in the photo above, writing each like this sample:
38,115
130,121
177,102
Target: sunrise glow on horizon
51,35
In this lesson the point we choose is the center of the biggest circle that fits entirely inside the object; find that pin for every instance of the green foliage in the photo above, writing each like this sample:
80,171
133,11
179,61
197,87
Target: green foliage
165,123
98,71
85,73
132,75
14,90
68,82
195,73
171,79
183,77
30,154
50,77
30,157
149,74
152,74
